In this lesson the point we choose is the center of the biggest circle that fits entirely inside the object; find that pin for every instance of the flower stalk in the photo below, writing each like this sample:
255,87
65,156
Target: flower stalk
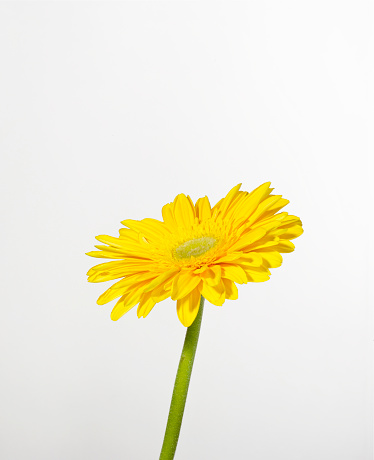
182,380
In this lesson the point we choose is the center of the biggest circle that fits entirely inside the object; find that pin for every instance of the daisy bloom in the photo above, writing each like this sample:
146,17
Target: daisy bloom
196,250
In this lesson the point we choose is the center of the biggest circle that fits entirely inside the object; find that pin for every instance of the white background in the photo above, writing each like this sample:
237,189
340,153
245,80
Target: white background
107,111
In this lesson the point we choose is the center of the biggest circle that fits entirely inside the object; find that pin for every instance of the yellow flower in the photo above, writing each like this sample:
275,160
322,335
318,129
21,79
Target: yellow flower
196,250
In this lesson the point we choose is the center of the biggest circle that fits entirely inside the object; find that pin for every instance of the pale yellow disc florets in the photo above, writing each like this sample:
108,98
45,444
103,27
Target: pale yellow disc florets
195,247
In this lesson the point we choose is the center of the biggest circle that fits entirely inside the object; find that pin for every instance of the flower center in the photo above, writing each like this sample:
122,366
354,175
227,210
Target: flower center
195,248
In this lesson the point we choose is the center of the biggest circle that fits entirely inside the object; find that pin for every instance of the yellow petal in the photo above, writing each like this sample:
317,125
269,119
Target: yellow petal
214,294
127,234
184,212
231,291
113,270
284,246
250,202
203,209
236,205
274,208
111,240
184,282
248,239
160,294
105,266
263,243
127,269
130,249
265,222
192,206
168,216
109,295
121,308
110,249
133,279
260,193
234,273
201,269
99,277
212,275
292,232
270,258
229,257
263,207
226,202
152,229
104,255
188,307
262,274
289,219
145,305
252,259
118,289
127,301
216,208
161,279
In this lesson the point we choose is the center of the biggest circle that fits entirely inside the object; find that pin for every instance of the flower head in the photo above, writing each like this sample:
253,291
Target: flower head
196,250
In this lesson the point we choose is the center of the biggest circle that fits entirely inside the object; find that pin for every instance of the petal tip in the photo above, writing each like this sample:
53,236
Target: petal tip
114,317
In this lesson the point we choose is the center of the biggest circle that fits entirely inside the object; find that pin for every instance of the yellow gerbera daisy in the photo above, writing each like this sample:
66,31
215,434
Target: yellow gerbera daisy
196,251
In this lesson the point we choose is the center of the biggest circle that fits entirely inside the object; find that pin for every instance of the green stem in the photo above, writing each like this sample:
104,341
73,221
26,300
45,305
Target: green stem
182,380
